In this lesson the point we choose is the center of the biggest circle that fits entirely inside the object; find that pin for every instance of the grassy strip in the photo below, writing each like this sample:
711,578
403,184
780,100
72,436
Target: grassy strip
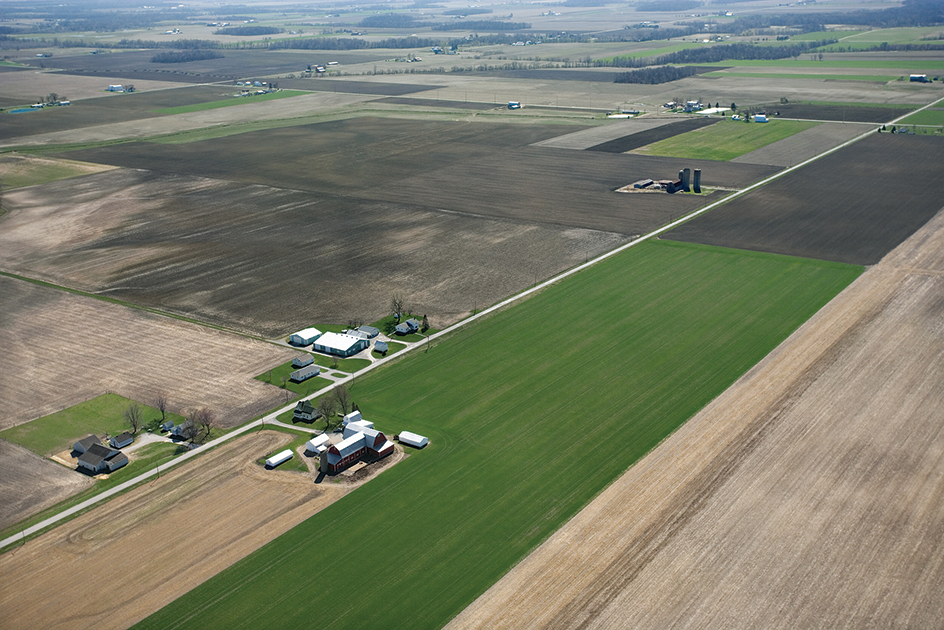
817,77
306,387
726,140
199,107
652,52
913,64
60,430
296,463
927,117
17,172
525,430
392,348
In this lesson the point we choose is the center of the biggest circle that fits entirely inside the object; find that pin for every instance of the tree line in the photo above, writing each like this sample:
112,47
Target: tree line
183,56
659,74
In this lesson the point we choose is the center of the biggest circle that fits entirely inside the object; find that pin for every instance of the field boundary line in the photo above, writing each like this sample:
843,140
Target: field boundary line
272,416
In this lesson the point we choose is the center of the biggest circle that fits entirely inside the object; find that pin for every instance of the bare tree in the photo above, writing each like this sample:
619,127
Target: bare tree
343,398
205,421
160,402
396,305
327,407
134,417
191,431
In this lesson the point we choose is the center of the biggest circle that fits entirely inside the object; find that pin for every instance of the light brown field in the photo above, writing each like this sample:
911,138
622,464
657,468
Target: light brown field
157,542
30,85
60,349
808,495
804,145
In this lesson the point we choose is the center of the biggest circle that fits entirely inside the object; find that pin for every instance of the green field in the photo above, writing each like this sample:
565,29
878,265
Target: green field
59,431
904,64
242,100
652,52
868,39
308,386
19,171
816,77
530,414
725,140
927,117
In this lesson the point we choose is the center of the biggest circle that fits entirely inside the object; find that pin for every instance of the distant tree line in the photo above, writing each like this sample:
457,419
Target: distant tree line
712,54
467,11
183,56
911,13
390,20
482,25
654,75
249,31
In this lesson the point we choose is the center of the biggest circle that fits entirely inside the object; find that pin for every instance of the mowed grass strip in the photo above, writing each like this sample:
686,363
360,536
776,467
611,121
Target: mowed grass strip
530,413
904,64
236,100
816,77
725,140
933,116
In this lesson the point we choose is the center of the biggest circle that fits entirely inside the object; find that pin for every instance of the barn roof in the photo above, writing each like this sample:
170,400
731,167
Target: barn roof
337,341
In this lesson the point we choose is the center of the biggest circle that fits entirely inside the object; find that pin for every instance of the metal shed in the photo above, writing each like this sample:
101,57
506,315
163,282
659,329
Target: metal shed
305,373
413,439
304,337
279,458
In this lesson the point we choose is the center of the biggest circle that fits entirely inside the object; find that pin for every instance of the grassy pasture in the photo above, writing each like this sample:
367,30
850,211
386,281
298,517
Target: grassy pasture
904,35
927,117
18,170
199,107
726,140
815,77
58,431
904,64
524,432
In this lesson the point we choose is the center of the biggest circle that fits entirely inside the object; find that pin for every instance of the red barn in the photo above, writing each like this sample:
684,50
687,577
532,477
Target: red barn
364,443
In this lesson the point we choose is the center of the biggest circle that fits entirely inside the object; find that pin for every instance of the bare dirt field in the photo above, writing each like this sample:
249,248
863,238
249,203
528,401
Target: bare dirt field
853,206
802,146
29,85
31,483
806,496
354,87
281,260
158,541
838,112
60,349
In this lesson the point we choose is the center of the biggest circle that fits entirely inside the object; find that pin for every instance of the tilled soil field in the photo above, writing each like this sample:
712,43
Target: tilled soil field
429,102
837,112
354,87
60,349
803,146
272,260
806,496
853,206
32,483
158,541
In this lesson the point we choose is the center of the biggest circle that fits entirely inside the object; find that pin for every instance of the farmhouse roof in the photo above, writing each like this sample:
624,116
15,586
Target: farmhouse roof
381,346
96,454
370,331
86,442
123,437
337,341
303,360
304,406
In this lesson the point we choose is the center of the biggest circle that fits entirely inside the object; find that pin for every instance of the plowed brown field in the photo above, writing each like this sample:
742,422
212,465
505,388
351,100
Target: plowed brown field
60,349
807,495
157,542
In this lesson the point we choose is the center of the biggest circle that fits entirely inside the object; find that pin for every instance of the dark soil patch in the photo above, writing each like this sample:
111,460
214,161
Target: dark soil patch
835,112
642,138
853,206
354,87
607,76
423,102
113,108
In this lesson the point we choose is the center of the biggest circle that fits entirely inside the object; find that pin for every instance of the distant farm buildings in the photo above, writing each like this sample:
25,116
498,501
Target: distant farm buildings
918,78
340,344
685,183
94,457
304,337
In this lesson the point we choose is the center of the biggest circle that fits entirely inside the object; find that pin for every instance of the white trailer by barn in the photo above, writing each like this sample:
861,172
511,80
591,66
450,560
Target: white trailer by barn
279,458
413,439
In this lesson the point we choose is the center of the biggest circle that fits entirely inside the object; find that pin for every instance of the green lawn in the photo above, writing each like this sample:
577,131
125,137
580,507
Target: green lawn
59,431
308,386
877,78
652,52
868,39
235,100
927,117
525,429
725,140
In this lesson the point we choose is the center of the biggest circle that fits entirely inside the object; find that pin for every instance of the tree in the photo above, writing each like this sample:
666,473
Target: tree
396,305
343,397
425,324
134,417
327,407
205,421
734,107
160,402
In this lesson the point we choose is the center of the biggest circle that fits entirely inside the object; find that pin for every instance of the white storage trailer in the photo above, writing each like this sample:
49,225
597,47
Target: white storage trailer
413,439
279,458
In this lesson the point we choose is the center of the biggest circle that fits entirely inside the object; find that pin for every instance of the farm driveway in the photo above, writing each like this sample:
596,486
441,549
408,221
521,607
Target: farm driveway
156,543
807,495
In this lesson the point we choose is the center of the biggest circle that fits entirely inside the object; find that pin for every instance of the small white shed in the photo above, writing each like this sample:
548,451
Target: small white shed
318,443
354,416
304,337
279,458
413,439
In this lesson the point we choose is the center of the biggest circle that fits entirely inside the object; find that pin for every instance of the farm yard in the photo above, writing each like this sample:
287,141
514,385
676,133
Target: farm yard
684,322
99,346
806,495
852,206
222,505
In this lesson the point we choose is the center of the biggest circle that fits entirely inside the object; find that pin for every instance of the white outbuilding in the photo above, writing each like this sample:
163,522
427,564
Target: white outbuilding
318,444
354,416
413,439
305,373
304,337
340,344
279,458
303,360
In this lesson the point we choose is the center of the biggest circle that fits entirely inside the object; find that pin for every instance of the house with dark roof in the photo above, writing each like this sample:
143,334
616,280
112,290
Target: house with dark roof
83,445
304,410
121,441
99,458
370,331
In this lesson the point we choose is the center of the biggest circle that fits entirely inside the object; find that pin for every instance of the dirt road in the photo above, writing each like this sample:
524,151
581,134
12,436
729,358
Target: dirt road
807,495
157,542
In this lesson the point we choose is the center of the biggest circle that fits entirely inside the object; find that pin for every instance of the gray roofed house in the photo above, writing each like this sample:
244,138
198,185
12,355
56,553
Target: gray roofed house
83,445
167,426
381,346
402,329
304,410
94,459
121,441
305,373
370,331
413,324
303,360
116,461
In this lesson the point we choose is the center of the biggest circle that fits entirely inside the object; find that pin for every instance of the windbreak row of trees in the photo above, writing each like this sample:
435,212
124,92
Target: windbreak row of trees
714,54
660,74
184,56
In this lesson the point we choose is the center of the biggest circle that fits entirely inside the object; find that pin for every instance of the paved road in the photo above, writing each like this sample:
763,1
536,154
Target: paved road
271,418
